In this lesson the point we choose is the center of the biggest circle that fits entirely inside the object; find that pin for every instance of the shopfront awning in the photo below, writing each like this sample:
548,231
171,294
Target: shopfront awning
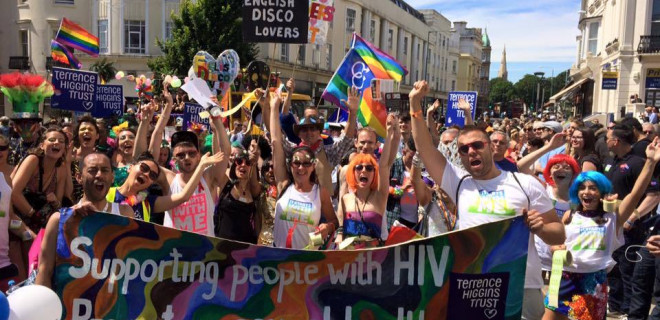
568,90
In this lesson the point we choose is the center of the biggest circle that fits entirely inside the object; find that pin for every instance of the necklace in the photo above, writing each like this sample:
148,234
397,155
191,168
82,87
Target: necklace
241,192
364,204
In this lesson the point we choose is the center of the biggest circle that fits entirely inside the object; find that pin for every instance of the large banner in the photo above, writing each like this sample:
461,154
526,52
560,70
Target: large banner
74,90
112,267
283,21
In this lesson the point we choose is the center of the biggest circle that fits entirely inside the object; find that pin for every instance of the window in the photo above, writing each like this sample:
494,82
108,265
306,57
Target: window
418,50
316,52
134,36
453,67
169,27
405,45
655,18
63,1
350,20
453,85
328,56
592,41
23,36
301,54
372,30
390,39
103,36
284,52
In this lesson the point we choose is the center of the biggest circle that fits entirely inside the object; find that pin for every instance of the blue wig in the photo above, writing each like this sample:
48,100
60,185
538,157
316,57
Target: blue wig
604,185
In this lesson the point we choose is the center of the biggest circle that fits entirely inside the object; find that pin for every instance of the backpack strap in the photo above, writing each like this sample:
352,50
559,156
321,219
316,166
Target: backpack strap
457,192
529,202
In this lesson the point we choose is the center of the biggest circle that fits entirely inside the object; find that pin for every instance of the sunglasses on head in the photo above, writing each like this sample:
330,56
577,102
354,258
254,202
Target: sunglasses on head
297,164
144,168
4,148
368,167
477,145
182,155
241,161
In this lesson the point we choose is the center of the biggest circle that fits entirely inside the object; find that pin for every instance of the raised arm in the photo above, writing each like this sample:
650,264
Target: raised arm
265,107
220,143
422,191
147,113
629,203
157,135
353,104
168,202
467,111
386,159
276,138
526,162
430,121
290,87
434,161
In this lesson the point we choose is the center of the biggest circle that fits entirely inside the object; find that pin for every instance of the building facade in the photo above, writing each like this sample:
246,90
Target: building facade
127,30
618,58
469,59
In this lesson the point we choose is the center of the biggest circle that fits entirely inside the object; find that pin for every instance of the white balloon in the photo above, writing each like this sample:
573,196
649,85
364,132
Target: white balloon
34,302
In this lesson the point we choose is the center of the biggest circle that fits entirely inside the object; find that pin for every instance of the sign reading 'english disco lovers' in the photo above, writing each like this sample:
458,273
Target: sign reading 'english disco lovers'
279,21
74,90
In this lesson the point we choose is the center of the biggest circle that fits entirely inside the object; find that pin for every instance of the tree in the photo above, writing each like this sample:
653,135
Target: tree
209,25
525,89
500,91
105,69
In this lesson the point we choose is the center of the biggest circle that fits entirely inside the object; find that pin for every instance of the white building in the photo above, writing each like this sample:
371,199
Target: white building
127,30
618,56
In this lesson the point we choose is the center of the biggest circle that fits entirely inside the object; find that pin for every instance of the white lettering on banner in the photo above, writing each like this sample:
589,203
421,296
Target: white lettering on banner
284,32
270,3
359,74
192,214
272,15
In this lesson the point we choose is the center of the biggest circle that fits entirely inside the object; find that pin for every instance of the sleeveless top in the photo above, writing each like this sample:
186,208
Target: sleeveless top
543,249
591,241
194,215
296,215
236,219
370,223
5,199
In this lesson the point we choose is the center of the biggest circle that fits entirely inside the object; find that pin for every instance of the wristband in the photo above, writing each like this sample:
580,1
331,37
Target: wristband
27,236
31,212
216,113
15,224
610,206
416,114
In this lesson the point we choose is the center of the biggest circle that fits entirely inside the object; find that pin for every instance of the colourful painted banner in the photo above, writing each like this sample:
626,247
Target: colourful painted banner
321,13
113,267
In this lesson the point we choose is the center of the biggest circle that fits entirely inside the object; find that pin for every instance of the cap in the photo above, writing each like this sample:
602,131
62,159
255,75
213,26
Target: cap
309,121
184,136
554,125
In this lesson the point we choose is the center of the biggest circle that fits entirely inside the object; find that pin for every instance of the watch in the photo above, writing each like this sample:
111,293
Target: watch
216,112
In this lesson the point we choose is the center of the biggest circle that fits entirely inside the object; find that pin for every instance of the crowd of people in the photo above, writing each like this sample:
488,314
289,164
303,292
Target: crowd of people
298,183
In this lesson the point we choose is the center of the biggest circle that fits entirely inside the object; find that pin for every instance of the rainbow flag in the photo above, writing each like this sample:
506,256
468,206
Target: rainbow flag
381,64
61,54
363,63
75,36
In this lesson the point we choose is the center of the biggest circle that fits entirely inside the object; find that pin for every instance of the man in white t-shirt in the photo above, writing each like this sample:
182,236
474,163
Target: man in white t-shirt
489,194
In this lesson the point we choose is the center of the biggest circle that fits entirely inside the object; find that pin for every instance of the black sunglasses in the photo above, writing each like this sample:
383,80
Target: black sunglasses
145,169
182,155
367,167
241,161
477,145
4,148
297,164
645,132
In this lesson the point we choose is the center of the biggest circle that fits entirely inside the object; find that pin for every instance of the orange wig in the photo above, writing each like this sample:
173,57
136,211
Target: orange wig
361,158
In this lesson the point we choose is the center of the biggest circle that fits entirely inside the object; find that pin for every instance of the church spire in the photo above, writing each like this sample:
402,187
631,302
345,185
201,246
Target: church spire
503,73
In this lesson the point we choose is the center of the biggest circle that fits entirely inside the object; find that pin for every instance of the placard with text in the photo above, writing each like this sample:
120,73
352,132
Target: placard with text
109,101
113,267
456,116
279,21
75,90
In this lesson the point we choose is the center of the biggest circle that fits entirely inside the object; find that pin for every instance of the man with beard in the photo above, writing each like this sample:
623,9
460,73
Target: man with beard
486,194
196,214
96,177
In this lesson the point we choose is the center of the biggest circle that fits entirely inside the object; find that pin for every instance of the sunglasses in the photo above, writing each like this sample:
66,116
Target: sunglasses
297,164
645,132
182,155
477,145
368,167
4,148
242,161
144,168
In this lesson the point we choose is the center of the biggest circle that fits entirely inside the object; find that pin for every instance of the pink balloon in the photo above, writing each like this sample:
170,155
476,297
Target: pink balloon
186,79
148,82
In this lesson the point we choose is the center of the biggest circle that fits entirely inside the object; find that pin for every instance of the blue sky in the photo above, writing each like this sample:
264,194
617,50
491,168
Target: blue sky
539,34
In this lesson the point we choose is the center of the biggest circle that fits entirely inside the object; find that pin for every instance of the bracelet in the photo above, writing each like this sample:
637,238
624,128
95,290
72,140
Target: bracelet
610,206
628,223
15,224
416,114
26,236
31,212
340,230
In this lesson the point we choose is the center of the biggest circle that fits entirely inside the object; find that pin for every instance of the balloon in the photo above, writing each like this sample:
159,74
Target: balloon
34,302
168,79
130,77
148,82
186,79
119,75
4,307
176,83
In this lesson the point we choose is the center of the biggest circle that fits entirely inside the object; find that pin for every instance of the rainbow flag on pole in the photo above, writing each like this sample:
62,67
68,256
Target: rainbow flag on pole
362,63
61,54
75,36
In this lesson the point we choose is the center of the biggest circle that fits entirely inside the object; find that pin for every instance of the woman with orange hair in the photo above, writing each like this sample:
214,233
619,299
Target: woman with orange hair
363,207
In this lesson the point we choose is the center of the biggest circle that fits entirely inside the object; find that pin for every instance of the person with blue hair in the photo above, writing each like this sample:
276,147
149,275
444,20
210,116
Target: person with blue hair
593,231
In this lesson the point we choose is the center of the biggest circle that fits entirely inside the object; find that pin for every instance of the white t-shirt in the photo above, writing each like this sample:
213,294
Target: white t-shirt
484,201
541,247
591,244
194,215
299,213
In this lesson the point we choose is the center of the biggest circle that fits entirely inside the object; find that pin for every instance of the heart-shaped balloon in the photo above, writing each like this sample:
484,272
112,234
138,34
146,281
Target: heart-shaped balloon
219,73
